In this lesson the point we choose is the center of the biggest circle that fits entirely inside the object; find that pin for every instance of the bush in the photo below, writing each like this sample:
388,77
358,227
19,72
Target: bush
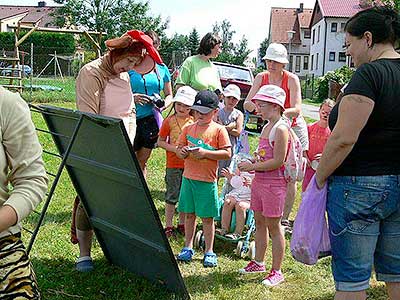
340,76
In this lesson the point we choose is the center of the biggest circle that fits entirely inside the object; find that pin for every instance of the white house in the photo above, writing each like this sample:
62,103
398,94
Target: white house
327,49
290,27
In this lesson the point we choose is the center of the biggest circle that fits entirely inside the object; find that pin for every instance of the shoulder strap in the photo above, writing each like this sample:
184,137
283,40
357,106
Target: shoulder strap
271,136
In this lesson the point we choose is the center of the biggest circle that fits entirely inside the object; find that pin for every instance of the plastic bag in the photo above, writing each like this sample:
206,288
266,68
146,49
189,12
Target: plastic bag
310,238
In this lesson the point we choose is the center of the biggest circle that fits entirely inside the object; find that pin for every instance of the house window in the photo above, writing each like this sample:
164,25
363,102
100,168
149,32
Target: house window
298,63
342,56
312,62
305,63
342,25
307,33
316,62
313,36
331,56
319,31
334,27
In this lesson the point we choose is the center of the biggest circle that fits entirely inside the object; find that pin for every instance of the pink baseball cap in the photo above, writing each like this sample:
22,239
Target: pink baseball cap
271,93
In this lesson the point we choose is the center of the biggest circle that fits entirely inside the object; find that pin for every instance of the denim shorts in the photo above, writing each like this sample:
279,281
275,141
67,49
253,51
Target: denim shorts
364,222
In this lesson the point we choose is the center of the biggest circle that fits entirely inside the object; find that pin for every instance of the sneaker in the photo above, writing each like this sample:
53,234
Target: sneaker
185,255
274,278
169,232
252,268
181,229
210,260
84,264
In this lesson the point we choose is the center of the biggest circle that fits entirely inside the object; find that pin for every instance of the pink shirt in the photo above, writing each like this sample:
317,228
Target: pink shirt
317,136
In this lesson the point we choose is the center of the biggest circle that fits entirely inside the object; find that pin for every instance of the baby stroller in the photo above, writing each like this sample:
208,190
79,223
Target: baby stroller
244,246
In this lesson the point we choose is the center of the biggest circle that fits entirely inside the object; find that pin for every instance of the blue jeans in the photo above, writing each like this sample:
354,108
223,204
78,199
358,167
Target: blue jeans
364,222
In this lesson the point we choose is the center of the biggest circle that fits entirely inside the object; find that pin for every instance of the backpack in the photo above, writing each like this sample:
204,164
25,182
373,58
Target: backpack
295,163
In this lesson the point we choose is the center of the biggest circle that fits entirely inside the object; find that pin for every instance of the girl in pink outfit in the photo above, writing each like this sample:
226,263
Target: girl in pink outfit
268,190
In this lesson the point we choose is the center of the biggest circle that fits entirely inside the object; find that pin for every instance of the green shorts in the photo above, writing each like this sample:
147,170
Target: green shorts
199,197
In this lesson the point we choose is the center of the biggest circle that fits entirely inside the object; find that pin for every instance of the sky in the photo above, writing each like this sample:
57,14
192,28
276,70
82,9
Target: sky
247,17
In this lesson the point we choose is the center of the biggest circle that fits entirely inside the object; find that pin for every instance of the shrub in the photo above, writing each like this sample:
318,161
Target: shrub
340,76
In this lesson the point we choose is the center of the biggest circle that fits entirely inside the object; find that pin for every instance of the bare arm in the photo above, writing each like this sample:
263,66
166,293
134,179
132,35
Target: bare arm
295,97
248,105
354,111
237,130
168,93
219,154
162,142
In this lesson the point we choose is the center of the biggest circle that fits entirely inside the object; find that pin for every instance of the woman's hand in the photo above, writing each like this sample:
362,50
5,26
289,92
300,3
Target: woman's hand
320,181
141,99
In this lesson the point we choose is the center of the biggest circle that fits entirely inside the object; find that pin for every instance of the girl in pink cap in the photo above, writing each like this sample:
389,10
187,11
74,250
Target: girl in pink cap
268,190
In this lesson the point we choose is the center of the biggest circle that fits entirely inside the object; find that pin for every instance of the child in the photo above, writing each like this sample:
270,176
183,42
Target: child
169,132
201,145
232,119
238,198
318,134
268,190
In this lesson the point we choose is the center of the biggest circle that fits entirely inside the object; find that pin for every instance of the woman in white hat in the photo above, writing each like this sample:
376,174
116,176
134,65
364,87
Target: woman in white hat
275,59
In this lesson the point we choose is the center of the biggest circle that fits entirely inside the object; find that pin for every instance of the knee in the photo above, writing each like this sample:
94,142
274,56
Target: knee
190,217
242,206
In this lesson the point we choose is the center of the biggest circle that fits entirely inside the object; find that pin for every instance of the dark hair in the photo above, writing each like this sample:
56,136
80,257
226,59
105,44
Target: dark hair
153,35
382,22
208,42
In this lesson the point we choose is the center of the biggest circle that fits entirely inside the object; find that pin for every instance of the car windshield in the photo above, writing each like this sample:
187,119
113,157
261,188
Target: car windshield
229,72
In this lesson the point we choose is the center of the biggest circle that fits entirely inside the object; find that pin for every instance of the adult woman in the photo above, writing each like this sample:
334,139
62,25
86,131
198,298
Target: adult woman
198,71
149,84
361,161
276,58
21,167
102,87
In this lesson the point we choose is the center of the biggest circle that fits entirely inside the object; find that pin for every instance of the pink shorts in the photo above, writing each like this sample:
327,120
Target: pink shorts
268,196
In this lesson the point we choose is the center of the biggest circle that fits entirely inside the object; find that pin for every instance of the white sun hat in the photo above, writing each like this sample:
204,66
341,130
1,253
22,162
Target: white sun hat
185,95
276,52
232,90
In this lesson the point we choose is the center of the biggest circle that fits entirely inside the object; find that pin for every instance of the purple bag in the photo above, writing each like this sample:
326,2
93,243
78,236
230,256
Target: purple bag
310,238
158,116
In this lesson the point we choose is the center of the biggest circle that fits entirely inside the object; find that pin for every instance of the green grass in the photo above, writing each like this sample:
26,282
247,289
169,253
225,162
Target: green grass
53,257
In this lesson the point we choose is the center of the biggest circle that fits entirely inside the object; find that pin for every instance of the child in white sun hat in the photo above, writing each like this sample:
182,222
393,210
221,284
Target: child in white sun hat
268,190
169,132
231,118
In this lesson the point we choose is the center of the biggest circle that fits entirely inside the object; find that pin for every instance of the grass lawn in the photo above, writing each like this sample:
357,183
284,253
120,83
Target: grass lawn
53,256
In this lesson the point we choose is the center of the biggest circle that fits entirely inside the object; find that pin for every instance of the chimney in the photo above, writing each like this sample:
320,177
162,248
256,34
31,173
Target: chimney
41,4
300,9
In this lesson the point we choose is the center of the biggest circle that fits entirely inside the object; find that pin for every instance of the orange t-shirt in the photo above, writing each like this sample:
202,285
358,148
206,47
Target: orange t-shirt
170,129
214,135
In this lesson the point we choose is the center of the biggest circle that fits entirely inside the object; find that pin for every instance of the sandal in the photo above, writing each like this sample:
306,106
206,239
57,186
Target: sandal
185,255
233,236
210,260
84,264
221,231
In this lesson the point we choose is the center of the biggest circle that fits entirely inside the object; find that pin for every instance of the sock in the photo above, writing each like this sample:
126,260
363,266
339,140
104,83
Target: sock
259,263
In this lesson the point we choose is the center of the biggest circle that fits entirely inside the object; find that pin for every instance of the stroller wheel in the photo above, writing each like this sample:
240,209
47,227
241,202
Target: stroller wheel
252,250
199,239
239,248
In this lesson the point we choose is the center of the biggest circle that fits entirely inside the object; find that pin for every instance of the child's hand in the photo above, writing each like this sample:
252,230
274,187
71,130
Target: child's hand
246,166
247,181
198,153
226,173
183,151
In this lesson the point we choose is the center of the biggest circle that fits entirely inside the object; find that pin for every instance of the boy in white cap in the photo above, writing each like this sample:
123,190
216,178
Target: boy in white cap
169,132
268,189
231,118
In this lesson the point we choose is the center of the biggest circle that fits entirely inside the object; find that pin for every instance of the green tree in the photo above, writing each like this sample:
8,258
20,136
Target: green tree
174,50
231,52
111,16
263,48
194,41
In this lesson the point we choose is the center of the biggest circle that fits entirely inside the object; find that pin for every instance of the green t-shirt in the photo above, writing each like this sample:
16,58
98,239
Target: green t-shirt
199,74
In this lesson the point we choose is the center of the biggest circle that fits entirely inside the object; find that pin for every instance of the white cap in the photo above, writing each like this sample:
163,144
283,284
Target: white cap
185,95
232,90
276,52
271,93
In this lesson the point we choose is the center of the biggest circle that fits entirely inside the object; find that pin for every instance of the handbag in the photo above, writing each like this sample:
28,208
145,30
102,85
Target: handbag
310,238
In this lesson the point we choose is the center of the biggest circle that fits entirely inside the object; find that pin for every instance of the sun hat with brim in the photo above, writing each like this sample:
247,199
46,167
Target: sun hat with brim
205,102
271,93
276,52
185,95
232,90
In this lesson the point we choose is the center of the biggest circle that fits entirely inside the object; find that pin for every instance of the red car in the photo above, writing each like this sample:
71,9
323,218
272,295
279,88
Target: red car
243,78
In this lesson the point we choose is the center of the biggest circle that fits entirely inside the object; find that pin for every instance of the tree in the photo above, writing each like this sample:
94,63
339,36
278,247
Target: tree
111,16
231,52
389,3
263,48
194,41
174,50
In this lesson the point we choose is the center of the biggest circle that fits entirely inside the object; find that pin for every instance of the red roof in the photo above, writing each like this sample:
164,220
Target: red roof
7,11
283,20
33,15
342,8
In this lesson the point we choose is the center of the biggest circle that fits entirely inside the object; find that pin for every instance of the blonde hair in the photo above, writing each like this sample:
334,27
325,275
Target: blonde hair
328,102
